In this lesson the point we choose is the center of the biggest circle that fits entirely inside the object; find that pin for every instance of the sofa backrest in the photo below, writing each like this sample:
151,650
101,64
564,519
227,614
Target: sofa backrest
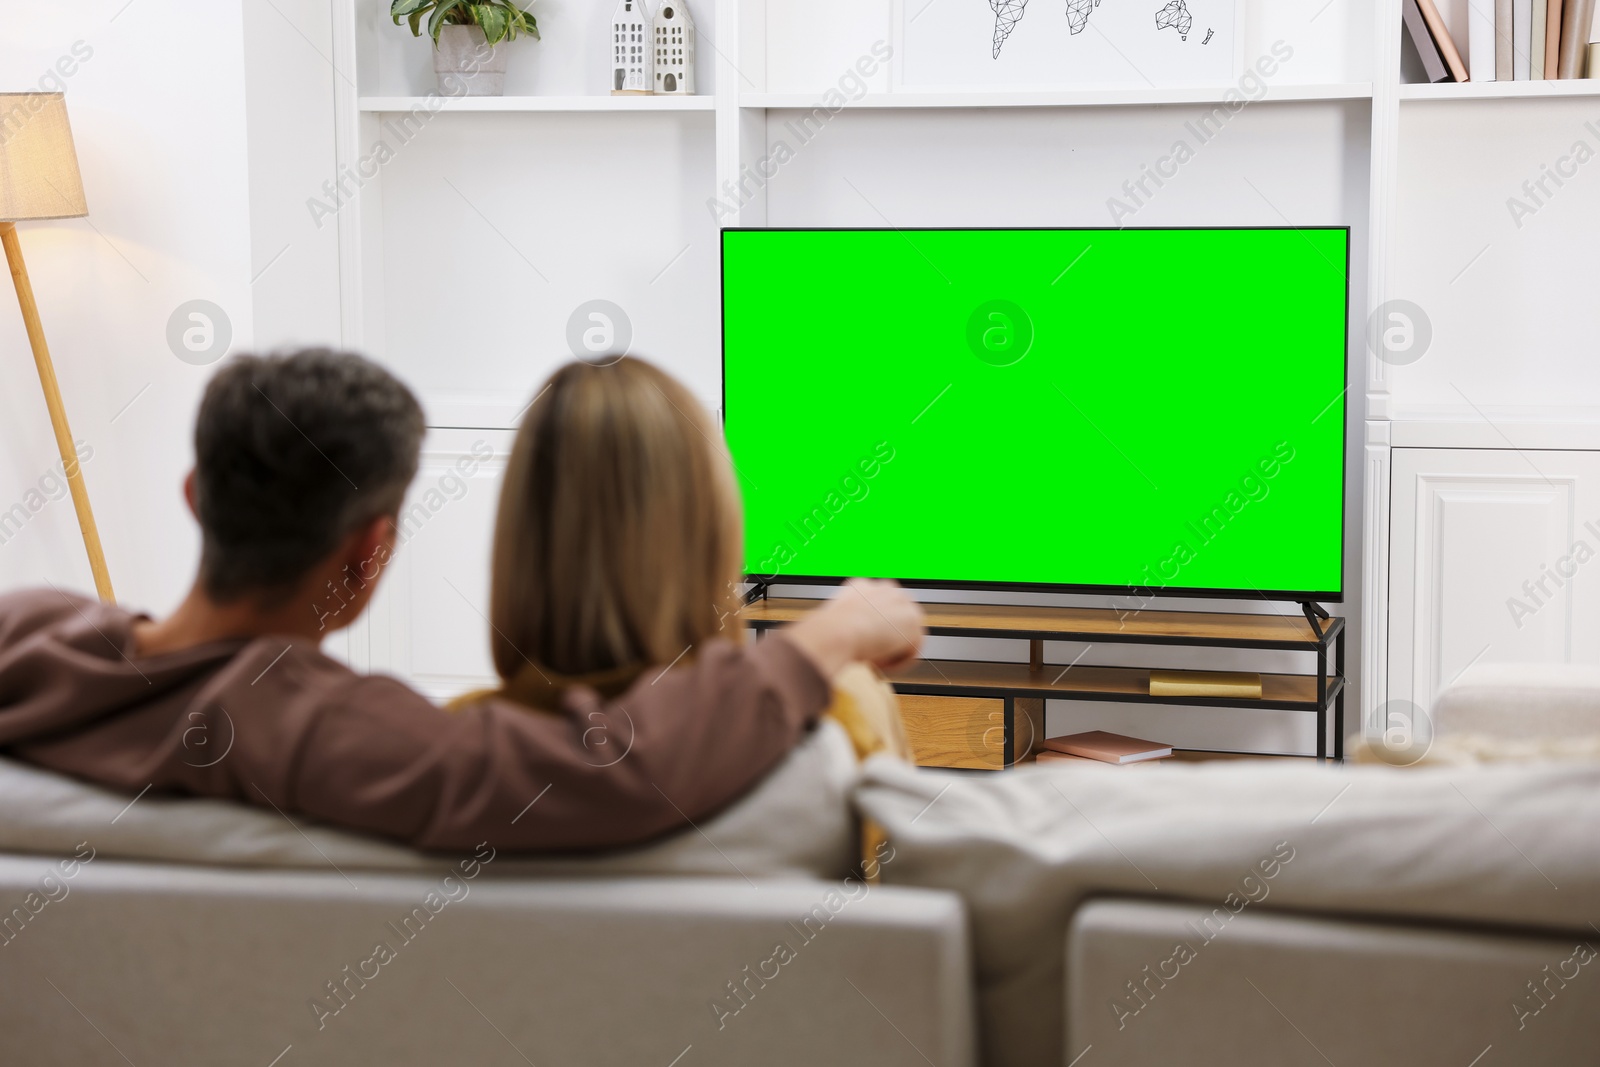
796,822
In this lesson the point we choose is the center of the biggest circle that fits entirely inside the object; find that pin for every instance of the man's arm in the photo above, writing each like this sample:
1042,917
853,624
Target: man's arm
28,610
679,745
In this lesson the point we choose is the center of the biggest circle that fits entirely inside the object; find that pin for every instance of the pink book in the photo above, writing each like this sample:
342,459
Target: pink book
1107,747
1046,756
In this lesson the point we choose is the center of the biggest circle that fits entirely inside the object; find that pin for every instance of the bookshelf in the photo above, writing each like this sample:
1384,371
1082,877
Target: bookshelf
384,104
1526,90
628,208
1120,97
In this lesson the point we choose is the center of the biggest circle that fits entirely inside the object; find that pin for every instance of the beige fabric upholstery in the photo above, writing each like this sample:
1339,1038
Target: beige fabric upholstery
1026,848
1276,990
190,967
796,822
1555,700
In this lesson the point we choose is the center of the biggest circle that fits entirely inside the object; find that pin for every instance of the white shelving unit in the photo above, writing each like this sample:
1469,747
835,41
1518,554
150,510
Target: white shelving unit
381,104
1121,97
525,206
1527,90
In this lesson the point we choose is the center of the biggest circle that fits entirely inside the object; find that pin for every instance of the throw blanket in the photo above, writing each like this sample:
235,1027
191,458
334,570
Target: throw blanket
1508,845
866,707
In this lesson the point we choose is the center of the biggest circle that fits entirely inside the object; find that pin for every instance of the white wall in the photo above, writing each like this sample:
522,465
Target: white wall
157,102
289,87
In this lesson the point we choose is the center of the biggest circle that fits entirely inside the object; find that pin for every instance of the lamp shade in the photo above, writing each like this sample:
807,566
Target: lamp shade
38,165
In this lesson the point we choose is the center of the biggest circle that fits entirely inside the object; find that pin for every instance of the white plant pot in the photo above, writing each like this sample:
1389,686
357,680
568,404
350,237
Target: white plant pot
466,65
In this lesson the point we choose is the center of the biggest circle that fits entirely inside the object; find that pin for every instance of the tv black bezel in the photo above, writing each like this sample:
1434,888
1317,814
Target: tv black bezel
1190,592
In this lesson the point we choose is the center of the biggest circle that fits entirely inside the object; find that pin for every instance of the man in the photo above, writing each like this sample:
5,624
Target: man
301,465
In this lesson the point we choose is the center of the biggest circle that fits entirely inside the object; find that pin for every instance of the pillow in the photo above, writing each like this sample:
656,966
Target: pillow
796,823
1501,713
1464,750
1516,700
1025,847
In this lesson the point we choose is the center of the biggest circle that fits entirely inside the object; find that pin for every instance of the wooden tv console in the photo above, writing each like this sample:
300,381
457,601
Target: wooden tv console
1010,696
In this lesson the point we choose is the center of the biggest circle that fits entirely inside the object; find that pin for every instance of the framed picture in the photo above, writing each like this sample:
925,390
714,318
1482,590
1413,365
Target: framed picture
1064,44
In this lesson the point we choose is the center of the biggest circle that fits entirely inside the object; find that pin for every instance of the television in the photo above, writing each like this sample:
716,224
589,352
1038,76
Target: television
1153,411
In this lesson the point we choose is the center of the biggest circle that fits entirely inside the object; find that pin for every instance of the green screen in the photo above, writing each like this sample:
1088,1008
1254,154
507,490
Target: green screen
1148,409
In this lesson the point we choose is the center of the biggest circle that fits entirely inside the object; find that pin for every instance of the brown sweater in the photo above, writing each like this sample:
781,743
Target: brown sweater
273,722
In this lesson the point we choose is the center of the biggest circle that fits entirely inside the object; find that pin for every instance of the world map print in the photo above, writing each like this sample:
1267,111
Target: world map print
1007,13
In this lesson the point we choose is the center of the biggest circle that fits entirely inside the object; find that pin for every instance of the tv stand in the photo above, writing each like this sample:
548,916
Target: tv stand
1310,608
1020,689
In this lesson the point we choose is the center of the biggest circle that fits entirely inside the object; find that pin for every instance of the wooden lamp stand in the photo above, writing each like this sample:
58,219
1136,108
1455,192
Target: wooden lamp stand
58,411
39,180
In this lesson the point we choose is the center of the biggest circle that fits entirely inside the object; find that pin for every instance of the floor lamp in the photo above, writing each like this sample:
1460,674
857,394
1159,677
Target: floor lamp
39,180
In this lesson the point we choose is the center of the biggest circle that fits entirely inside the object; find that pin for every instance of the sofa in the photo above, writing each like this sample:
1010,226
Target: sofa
196,932
1268,913
1241,913
1520,985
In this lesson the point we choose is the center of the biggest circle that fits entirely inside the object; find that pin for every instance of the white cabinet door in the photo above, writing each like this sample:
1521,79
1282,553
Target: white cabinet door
429,620
1492,559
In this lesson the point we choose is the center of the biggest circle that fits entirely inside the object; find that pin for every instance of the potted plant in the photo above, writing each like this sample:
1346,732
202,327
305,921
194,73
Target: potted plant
466,36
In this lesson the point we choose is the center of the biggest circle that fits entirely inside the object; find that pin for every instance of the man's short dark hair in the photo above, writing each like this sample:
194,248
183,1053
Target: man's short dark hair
292,453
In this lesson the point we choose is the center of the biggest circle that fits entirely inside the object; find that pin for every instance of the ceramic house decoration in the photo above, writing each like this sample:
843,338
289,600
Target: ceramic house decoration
632,69
674,49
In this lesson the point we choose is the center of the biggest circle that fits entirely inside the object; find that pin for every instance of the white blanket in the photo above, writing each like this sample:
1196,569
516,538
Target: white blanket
1516,846
796,823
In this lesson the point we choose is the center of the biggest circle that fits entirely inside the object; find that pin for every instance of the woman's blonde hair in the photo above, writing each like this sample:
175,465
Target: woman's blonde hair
619,537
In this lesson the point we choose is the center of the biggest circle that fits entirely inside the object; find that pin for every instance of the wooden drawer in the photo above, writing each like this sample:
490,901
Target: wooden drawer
967,732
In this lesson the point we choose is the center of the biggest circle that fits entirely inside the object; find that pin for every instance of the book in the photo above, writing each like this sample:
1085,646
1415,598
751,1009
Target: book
1480,40
1442,39
1432,59
1577,19
1205,684
1536,40
1504,61
1522,39
1591,65
1084,761
1552,39
1107,747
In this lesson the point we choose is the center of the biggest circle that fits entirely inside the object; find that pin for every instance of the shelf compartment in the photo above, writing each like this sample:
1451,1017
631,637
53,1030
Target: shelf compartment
1199,94
538,103
1051,623
983,678
1523,90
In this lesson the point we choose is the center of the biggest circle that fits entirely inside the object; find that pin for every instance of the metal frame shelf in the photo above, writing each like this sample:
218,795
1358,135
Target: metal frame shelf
1322,693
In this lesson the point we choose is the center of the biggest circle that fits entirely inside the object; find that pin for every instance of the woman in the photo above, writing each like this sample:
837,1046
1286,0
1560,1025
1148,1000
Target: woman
617,550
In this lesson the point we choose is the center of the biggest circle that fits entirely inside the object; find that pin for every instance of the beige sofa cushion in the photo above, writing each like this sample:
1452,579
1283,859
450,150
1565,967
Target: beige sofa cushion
1548,700
1359,994
797,822
1500,713
1504,845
